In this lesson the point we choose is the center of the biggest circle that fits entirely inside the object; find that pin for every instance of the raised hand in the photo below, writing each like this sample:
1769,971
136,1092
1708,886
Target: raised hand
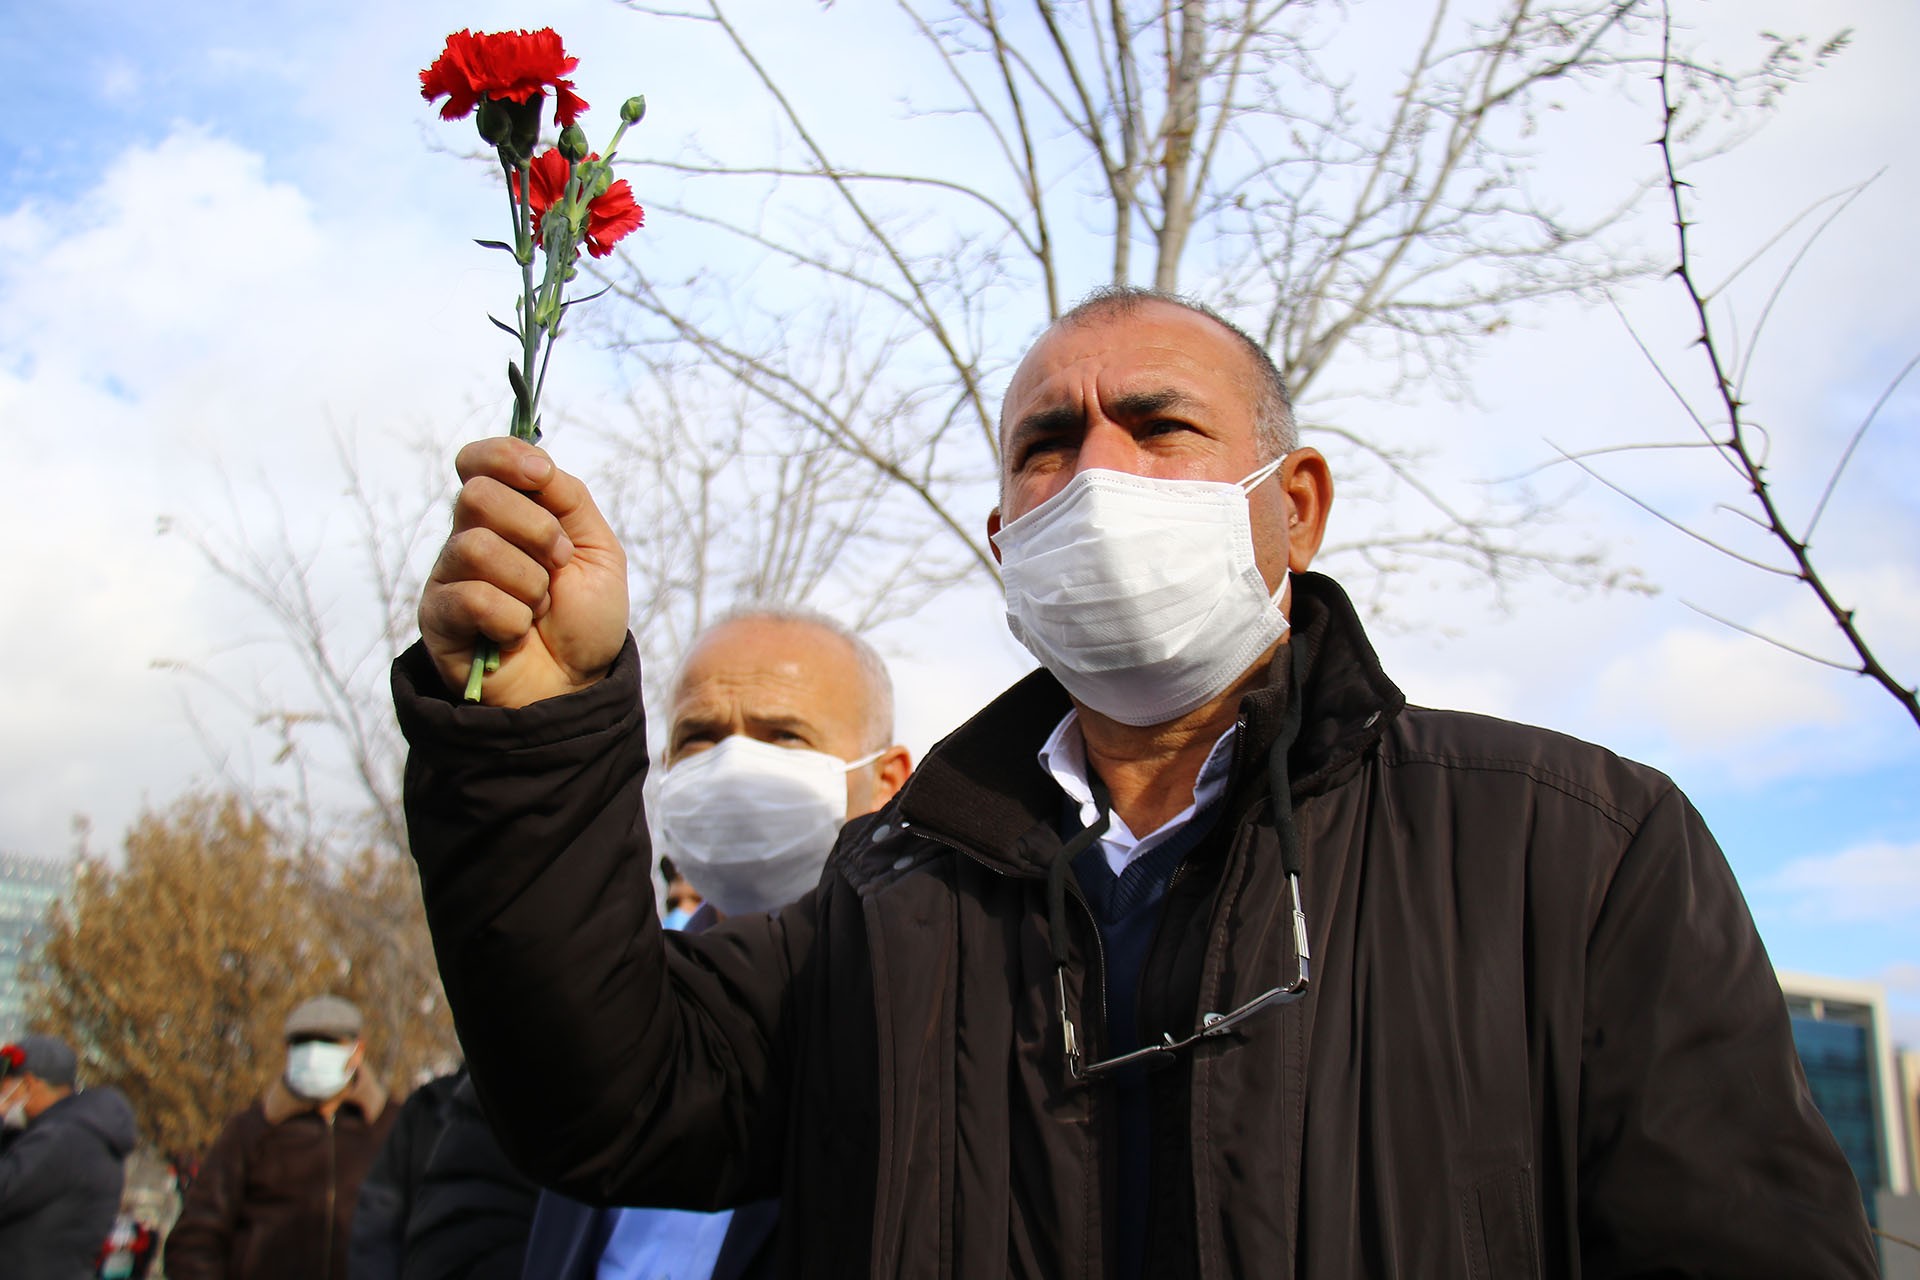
532,565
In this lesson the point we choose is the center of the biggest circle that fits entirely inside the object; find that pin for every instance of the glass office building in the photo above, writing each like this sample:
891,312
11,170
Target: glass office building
28,886
1839,1028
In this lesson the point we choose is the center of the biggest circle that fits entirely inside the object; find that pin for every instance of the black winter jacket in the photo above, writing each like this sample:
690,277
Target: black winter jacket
60,1184
474,1210
1543,1038
390,1194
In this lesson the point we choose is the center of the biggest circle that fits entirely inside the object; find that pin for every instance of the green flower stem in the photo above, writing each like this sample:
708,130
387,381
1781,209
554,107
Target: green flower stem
477,671
561,254
529,332
614,146
486,653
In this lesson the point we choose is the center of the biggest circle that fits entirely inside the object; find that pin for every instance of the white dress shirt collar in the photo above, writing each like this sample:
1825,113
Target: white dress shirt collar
1064,758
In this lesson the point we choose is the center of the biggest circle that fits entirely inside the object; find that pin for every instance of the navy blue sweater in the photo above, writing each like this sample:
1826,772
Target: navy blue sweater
1126,910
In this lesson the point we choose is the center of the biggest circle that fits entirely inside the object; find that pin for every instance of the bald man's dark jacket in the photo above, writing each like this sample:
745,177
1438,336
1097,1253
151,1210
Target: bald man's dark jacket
1542,1037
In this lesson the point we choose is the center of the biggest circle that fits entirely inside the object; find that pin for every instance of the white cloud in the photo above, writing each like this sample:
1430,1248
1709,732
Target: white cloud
1712,689
1873,881
194,315
119,80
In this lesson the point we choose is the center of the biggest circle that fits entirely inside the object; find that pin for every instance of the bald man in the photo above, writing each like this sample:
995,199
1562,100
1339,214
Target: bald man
780,730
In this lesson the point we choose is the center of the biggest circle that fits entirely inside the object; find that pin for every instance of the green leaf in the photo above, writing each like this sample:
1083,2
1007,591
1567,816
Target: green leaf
504,327
521,394
494,244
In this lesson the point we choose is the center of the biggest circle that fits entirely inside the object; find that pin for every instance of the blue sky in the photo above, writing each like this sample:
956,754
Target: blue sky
227,229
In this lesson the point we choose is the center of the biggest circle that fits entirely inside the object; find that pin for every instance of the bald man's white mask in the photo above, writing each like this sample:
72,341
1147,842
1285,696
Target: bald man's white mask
1141,595
750,824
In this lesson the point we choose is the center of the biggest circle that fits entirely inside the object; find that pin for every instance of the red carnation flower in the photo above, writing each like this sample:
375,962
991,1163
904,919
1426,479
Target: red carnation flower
517,66
14,1056
610,215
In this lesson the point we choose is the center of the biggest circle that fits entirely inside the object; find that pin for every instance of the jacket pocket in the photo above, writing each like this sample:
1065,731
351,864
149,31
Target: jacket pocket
1497,1226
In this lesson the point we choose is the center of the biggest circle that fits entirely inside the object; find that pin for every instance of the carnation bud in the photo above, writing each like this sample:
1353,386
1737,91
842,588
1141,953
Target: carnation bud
633,108
573,143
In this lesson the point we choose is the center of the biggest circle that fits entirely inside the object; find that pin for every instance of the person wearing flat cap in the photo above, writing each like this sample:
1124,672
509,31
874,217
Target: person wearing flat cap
276,1192
62,1164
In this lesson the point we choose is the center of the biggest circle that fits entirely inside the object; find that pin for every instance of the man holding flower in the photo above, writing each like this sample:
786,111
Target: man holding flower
1199,952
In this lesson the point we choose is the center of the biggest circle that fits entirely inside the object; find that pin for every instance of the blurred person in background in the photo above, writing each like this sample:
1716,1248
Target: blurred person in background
131,1248
681,900
62,1164
275,1195
387,1196
781,730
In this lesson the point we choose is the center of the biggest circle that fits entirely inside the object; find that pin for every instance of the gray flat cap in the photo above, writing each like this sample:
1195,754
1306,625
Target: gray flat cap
328,1017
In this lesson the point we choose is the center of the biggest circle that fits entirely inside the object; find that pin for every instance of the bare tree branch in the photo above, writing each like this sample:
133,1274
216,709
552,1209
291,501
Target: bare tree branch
1738,446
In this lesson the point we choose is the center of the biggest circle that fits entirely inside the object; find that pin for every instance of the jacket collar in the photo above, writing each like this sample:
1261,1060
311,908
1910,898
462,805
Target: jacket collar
281,1104
982,789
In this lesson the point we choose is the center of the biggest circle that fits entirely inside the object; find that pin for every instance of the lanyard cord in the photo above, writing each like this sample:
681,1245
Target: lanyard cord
1062,867
1285,829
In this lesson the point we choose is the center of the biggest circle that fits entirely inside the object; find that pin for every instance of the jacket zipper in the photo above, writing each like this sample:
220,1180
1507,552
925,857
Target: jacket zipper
326,1251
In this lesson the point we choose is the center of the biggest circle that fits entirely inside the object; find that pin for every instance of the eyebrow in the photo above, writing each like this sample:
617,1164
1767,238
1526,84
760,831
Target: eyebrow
1130,407
791,723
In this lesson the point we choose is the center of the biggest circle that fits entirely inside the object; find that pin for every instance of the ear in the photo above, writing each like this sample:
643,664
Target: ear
1307,482
891,771
993,531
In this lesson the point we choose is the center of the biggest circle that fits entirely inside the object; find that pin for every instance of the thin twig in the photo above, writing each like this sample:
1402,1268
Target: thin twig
1820,507
1778,644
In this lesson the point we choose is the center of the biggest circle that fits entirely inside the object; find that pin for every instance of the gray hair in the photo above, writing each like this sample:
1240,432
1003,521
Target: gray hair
1273,424
877,728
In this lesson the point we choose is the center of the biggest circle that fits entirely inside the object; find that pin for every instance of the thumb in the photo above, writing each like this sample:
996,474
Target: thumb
561,493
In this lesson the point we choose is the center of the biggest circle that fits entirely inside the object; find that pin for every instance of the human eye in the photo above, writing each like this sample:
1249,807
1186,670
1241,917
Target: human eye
1165,426
693,739
1041,451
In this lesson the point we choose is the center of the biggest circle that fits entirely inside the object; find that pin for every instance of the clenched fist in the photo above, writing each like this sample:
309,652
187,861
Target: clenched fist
532,565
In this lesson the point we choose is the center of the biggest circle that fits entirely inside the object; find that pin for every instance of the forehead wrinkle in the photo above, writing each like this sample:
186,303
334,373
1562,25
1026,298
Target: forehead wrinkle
759,693
770,677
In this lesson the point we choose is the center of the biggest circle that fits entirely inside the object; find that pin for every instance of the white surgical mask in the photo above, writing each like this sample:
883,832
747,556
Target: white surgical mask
1141,595
750,824
317,1069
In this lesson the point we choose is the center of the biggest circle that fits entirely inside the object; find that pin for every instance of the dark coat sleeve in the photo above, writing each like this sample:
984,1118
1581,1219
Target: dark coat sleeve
473,1209
197,1247
617,1065
1701,1153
